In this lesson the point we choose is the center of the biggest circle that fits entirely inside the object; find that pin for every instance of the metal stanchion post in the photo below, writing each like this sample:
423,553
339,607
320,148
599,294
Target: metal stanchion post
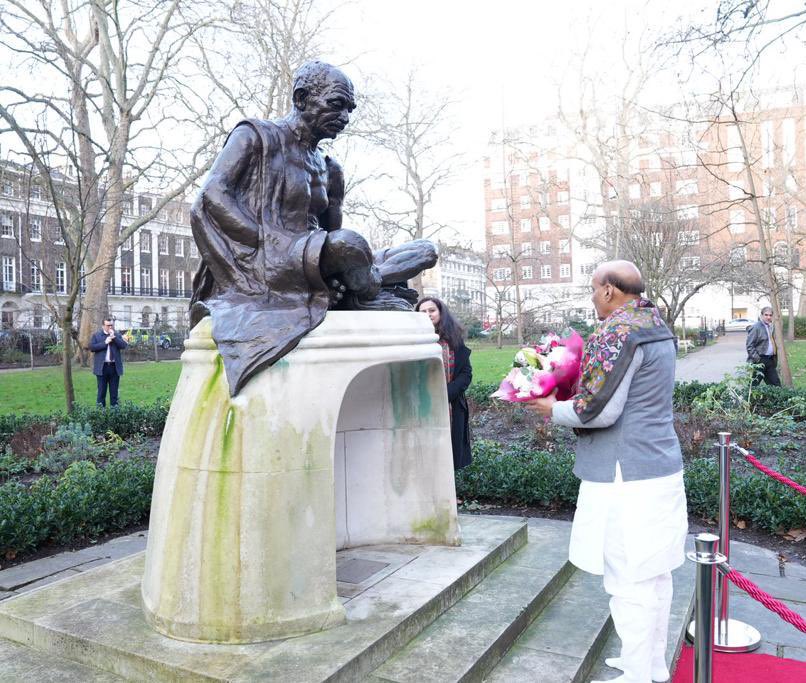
731,635
706,557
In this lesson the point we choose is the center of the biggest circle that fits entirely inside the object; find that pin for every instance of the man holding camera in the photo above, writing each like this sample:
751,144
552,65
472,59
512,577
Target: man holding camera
108,363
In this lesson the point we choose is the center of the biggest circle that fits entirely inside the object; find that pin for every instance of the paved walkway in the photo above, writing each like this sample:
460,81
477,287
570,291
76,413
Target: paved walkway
712,363
786,581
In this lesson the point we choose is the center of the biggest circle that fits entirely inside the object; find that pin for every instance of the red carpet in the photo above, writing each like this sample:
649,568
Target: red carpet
745,668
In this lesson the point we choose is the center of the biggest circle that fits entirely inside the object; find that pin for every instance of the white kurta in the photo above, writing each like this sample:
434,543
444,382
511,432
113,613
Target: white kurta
649,516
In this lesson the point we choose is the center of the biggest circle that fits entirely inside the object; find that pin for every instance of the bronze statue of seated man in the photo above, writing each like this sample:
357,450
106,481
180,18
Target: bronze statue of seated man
267,222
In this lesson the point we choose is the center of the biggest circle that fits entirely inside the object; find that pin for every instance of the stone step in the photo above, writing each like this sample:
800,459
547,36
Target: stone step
20,663
95,619
565,641
468,640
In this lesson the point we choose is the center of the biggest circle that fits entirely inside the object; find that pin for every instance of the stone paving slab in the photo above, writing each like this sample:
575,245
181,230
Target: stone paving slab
19,663
94,618
31,574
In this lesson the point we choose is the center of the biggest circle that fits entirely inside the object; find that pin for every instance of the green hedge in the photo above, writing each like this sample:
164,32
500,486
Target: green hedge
84,502
764,399
516,474
125,420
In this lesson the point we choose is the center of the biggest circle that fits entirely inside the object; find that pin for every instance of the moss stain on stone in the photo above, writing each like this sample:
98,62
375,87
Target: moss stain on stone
433,529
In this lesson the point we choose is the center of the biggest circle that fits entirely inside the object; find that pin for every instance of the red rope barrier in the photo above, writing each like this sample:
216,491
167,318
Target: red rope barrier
767,600
772,473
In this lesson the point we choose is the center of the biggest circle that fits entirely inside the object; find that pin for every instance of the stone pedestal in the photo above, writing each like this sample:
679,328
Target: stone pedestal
344,442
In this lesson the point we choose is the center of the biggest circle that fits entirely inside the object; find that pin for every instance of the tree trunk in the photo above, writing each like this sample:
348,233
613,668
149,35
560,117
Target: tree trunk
769,273
67,360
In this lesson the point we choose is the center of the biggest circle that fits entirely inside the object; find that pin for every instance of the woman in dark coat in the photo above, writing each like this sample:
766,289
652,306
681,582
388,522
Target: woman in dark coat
458,373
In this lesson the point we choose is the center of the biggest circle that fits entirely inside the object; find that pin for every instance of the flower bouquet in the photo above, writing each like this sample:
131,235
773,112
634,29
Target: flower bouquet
538,370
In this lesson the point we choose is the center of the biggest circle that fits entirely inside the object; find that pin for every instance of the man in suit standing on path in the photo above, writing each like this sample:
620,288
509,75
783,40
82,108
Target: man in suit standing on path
108,363
762,349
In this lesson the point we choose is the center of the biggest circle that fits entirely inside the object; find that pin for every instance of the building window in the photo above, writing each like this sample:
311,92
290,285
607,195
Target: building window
544,223
498,205
564,221
565,270
82,279
738,255
689,238
737,222
145,206
165,282
545,271
792,216
38,315
194,250
526,249
526,202
162,241
36,276
655,189
500,274
562,197
689,262
8,188
565,246
145,241
526,225
180,282
145,280
126,280
587,268
127,316
36,192
128,243
500,228
35,229
9,273
635,191
179,246
687,212
545,247
128,207
61,277
500,251
6,225
526,273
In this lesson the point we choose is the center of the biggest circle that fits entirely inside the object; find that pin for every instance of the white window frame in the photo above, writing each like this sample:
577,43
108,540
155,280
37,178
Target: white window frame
7,225
545,247
545,271
499,228
655,189
145,278
544,222
502,274
526,225
179,246
565,221
562,197
527,272
36,275
165,281
565,270
689,238
145,242
9,273
35,228
180,282
162,244
564,247
61,277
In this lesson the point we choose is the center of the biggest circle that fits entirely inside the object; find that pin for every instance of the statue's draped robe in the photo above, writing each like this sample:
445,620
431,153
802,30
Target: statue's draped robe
262,299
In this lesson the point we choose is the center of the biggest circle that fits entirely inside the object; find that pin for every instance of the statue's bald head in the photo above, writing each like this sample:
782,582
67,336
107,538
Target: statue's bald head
623,275
316,77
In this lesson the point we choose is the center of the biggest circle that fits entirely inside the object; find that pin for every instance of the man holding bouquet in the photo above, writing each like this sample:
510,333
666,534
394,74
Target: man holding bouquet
631,522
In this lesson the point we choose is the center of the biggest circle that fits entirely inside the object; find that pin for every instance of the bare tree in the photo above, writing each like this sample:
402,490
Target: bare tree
121,89
410,127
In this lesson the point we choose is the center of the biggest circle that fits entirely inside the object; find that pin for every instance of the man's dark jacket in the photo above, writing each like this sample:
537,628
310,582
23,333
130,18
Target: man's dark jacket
98,345
460,414
757,342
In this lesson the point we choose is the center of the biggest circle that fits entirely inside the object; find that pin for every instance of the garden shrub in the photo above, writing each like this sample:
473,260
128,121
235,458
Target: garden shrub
518,474
479,393
71,443
85,501
126,419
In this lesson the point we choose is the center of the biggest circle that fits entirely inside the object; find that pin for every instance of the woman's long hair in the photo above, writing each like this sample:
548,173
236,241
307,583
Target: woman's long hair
448,328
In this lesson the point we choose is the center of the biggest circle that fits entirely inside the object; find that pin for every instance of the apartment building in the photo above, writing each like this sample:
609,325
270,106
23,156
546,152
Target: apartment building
458,279
153,269
552,212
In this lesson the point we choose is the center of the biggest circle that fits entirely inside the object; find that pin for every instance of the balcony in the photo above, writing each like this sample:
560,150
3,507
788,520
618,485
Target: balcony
122,290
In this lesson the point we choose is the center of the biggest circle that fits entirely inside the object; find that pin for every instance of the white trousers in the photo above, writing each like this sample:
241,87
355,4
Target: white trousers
640,609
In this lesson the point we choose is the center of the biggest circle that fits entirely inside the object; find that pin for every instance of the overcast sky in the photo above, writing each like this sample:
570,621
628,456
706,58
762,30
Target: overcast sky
505,60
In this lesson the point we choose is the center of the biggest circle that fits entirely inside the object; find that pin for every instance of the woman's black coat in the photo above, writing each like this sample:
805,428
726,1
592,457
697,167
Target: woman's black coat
460,415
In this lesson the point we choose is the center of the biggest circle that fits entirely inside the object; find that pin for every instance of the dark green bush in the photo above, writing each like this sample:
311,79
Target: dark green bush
125,420
85,501
479,393
764,399
518,474
11,424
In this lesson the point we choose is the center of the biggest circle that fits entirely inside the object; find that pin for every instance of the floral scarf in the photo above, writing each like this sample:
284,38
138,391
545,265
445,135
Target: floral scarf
609,352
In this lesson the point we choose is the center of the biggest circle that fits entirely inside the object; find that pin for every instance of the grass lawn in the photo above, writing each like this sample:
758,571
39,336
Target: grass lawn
41,390
796,351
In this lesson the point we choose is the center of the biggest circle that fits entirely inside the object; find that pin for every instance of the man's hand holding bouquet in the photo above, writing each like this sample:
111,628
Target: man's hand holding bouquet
548,369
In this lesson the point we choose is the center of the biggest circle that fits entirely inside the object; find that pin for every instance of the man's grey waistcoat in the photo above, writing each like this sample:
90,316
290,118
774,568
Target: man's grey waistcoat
642,439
